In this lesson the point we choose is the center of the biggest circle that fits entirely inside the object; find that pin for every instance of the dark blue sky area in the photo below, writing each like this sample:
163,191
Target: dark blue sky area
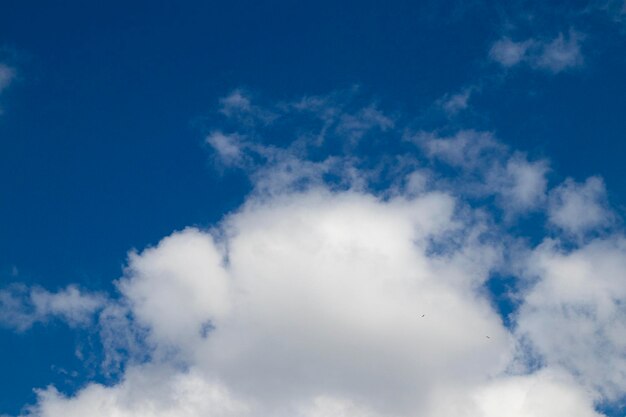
101,134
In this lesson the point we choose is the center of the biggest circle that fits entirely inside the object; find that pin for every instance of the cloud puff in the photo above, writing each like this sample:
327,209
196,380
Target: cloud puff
509,53
555,55
578,208
227,147
546,393
176,287
454,103
521,184
561,53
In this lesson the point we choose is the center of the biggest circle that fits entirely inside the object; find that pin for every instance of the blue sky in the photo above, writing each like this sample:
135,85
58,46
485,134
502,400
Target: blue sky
124,124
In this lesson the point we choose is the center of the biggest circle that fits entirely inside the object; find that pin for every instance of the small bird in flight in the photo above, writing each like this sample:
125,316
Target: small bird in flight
423,315
487,337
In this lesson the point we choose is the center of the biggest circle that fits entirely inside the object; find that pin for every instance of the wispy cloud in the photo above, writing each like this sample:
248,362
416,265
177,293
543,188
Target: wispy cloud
561,53
556,55
455,103
7,74
22,307
227,147
489,168
509,53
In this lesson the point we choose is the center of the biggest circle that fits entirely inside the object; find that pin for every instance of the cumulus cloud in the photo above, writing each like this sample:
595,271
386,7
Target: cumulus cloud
329,294
185,269
323,303
556,55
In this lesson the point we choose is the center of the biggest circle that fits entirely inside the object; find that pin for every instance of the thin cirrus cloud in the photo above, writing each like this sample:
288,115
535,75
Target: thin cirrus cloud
326,293
555,55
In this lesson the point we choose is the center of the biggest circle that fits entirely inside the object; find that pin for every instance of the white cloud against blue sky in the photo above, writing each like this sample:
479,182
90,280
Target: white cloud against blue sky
364,211
554,55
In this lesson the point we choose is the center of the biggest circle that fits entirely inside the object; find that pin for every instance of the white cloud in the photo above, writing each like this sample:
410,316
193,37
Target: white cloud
146,391
574,314
355,126
578,208
238,106
157,392
335,115
521,184
123,341
489,168
509,53
468,149
322,303
234,103
319,293
227,147
454,103
560,54
546,393
21,308
556,55
321,297
177,287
